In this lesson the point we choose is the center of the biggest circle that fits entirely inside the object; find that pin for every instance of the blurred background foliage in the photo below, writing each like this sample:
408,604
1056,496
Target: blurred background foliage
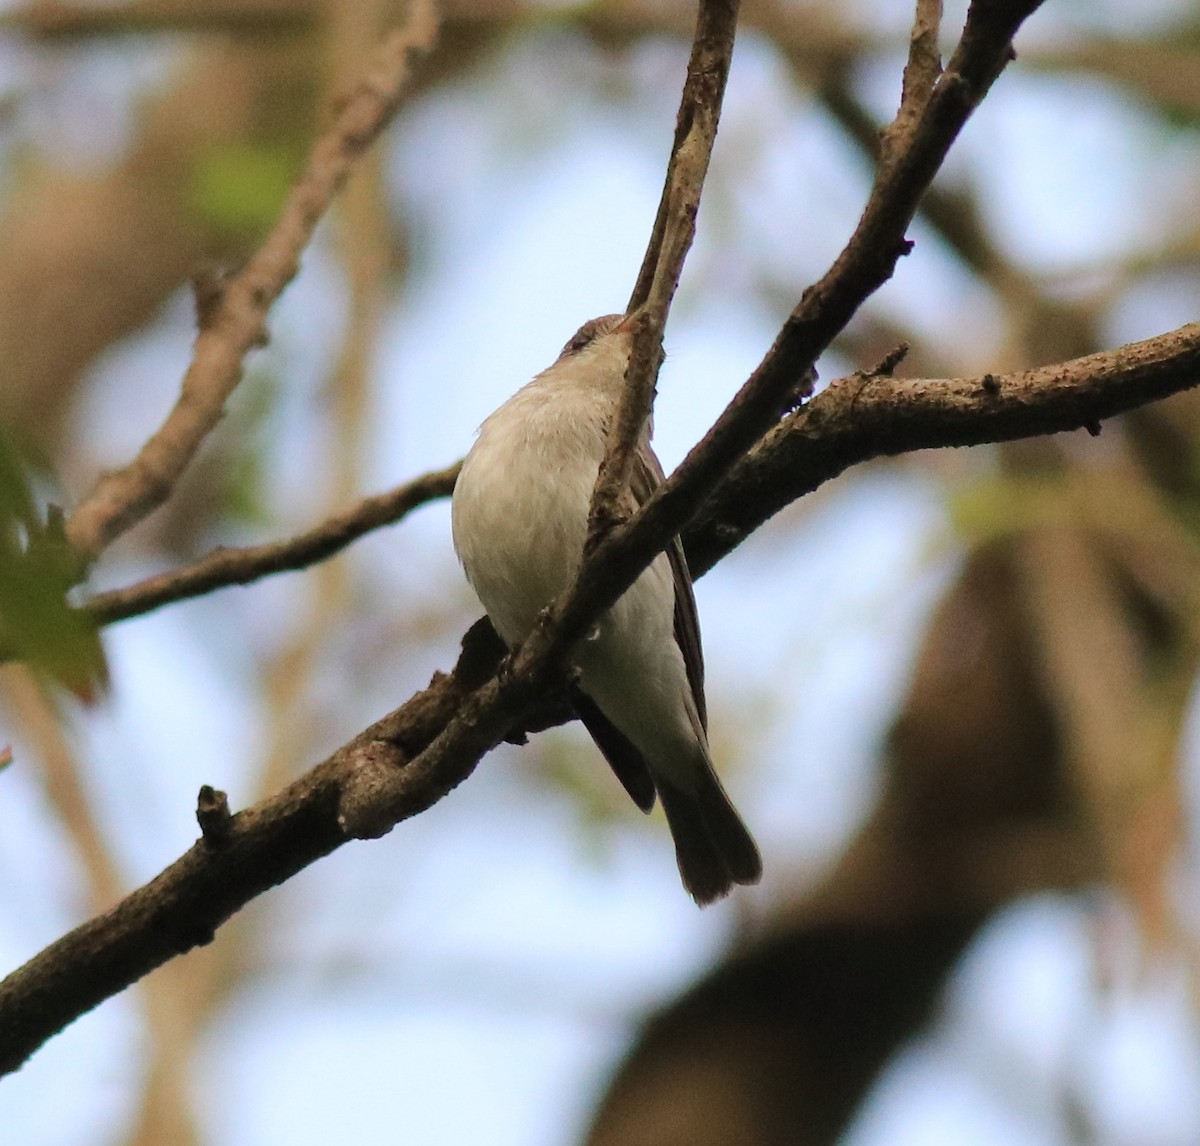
955,694
37,568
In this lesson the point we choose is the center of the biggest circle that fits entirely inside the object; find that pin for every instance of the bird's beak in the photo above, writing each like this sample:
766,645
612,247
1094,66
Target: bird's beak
626,324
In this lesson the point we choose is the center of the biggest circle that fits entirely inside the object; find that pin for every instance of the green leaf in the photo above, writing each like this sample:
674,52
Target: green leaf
16,501
37,568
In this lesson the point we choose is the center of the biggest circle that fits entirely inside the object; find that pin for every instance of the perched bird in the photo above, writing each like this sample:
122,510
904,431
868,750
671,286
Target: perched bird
519,515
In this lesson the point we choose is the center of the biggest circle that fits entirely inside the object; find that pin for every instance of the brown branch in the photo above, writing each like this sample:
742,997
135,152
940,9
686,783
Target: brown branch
695,133
810,447
921,73
670,240
224,567
237,321
784,376
383,776
916,151
853,422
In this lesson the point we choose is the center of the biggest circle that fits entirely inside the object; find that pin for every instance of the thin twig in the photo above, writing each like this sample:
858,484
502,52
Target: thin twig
921,73
241,566
237,322
695,133
670,240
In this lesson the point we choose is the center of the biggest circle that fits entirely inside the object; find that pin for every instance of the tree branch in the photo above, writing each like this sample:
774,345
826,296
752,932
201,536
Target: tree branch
920,73
235,320
855,421
224,567
670,240
383,776
784,376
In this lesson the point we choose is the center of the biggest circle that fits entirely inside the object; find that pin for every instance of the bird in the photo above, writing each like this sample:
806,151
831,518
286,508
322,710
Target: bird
519,519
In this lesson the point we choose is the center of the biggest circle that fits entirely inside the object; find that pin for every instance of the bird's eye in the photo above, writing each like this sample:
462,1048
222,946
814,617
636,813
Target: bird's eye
581,340
590,331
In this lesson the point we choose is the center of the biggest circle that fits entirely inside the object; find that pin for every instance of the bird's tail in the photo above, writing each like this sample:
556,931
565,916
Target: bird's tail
712,845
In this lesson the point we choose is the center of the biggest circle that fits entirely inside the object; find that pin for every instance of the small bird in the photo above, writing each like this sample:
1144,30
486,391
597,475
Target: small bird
519,518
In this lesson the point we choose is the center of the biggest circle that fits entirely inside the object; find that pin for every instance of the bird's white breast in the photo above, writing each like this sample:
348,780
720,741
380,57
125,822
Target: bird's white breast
520,506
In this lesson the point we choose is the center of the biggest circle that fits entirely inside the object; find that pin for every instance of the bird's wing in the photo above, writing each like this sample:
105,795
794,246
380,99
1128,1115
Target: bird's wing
627,763
647,476
625,760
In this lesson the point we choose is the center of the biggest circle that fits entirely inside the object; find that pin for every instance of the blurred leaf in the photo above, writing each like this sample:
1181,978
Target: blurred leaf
1005,504
6,756
245,470
37,567
16,501
240,187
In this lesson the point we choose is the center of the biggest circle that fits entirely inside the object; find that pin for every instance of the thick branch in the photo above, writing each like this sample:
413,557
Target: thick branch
235,321
383,776
855,421
784,377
